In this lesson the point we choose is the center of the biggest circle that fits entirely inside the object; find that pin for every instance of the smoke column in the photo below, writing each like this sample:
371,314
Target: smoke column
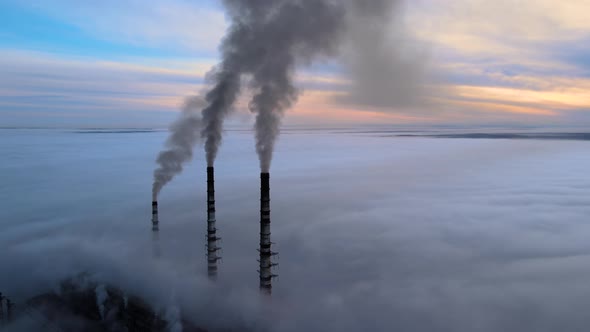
239,55
278,36
249,48
220,102
184,134
265,43
286,33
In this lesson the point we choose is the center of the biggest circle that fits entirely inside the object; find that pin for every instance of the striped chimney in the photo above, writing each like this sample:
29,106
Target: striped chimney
212,238
265,251
155,220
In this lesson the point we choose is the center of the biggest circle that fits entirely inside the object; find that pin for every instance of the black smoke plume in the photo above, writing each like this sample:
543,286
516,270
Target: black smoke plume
184,134
296,30
220,102
265,43
283,34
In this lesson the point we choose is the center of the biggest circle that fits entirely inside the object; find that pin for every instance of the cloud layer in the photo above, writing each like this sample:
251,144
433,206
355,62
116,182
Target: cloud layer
446,235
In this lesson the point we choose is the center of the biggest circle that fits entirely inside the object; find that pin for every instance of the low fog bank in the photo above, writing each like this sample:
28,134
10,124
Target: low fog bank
374,233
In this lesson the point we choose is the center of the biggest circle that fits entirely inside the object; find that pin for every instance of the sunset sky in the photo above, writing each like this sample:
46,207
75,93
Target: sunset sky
123,63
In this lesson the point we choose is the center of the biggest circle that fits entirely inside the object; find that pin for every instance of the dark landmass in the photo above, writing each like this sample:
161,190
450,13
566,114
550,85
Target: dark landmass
115,131
538,136
80,305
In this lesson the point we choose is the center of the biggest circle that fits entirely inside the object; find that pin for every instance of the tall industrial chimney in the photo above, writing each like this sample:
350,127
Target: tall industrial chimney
212,238
1,309
155,221
266,253
9,309
156,249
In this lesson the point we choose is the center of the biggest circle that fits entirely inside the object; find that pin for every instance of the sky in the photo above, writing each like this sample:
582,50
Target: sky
131,63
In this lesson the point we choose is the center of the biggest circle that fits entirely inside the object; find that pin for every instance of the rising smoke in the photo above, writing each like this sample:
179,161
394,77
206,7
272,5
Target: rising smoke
265,43
220,101
179,146
295,30
286,34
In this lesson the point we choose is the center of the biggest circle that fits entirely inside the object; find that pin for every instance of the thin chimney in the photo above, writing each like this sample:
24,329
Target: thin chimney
212,238
9,309
1,308
156,250
155,220
266,253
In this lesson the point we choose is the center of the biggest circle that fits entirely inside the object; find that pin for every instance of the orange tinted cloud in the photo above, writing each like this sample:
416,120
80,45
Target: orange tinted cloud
565,98
320,105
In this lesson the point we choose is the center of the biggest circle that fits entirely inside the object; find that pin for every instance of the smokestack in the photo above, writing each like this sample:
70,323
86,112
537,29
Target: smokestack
212,238
9,308
1,309
266,253
155,216
156,250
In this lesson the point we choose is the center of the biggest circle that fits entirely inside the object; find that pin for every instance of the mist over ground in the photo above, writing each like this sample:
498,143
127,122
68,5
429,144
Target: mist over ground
375,233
